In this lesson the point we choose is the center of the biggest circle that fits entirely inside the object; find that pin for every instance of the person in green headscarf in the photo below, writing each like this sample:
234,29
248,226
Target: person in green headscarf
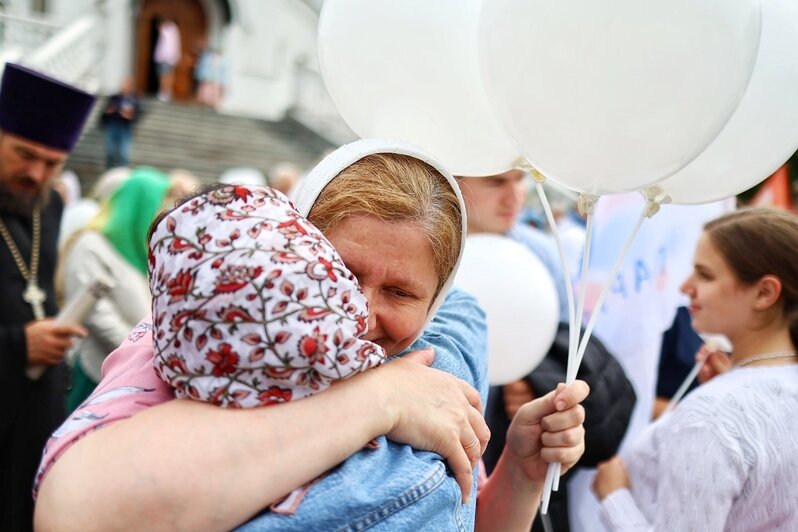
112,247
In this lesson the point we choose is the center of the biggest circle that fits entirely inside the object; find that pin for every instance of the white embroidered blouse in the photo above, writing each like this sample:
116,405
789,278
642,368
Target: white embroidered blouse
725,459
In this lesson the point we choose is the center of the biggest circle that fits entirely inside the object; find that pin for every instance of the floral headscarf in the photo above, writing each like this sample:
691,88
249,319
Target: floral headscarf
251,304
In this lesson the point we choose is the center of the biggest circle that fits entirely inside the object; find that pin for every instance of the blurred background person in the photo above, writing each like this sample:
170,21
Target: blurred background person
120,114
41,119
284,177
80,211
167,55
112,247
67,184
182,183
211,75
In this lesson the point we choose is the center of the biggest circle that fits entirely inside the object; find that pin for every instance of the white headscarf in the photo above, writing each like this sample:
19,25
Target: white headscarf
311,186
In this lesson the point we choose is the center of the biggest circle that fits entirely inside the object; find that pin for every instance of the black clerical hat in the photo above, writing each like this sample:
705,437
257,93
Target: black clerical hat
42,109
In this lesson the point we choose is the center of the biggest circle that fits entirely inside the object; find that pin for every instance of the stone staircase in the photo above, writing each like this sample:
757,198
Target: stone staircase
201,140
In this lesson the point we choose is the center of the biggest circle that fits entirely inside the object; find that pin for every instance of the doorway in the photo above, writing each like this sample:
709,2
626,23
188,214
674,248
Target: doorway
192,23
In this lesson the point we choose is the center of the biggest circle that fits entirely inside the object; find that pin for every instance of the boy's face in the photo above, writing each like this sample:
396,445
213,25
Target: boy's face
494,203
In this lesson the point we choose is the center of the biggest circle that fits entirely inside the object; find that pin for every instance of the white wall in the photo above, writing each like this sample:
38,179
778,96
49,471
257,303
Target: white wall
64,11
118,61
265,42
263,47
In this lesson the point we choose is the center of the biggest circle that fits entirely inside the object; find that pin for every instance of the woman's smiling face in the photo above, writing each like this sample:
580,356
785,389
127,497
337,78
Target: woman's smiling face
719,302
394,264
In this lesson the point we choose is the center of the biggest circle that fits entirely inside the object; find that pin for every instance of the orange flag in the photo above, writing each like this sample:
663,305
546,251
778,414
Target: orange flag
775,191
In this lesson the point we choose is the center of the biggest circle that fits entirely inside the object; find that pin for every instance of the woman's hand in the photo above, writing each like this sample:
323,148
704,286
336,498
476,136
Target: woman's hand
717,362
433,411
547,430
611,476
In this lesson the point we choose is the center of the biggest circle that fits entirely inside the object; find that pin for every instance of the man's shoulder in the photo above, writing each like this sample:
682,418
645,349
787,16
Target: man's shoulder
529,235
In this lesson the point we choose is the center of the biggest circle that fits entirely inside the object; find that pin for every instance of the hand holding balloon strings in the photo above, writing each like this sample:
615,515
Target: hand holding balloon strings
654,198
712,344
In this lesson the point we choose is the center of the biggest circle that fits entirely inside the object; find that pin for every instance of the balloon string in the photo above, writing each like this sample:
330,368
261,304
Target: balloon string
553,471
711,342
569,291
684,386
586,207
575,360
551,474
608,284
552,482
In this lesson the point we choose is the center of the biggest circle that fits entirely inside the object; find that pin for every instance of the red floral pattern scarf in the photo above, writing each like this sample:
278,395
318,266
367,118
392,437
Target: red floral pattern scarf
251,304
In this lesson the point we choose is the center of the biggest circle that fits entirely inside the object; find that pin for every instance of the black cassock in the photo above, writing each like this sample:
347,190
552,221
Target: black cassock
30,410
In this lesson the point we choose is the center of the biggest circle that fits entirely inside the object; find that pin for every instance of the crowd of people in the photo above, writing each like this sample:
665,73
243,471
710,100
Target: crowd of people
289,353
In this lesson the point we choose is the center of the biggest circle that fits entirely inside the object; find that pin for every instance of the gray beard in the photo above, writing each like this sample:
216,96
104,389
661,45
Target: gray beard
22,205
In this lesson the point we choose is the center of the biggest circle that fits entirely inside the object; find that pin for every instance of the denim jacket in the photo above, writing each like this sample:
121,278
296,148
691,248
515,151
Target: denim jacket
395,487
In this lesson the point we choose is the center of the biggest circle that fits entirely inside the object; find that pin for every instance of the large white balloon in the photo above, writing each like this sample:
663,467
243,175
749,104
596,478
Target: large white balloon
763,131
409,70
520,302
615,95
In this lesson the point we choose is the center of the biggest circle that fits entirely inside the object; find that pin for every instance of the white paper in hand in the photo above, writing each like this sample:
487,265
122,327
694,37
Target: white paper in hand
75,312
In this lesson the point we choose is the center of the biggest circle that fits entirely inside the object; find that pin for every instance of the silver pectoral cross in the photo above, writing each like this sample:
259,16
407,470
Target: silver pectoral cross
35,297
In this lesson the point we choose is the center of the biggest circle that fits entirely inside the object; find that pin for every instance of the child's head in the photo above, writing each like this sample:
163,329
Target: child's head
251,304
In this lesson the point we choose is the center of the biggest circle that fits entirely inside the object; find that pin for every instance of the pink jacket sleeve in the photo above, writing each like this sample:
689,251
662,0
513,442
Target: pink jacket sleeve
129,385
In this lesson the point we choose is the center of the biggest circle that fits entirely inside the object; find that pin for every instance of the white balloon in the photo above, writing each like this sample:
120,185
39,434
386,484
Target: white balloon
409,70
615,95
763,131
520,301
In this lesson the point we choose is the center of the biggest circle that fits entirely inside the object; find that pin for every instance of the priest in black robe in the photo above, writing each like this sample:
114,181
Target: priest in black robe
41,119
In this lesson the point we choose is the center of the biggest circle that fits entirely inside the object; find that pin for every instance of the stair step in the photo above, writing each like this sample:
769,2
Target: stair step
202,141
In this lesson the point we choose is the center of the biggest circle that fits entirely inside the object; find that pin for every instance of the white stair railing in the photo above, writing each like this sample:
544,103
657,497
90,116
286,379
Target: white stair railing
71,53
19,36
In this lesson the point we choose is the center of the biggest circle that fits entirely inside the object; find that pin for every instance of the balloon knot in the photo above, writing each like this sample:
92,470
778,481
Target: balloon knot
586,204
655,197
523,165
537,176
